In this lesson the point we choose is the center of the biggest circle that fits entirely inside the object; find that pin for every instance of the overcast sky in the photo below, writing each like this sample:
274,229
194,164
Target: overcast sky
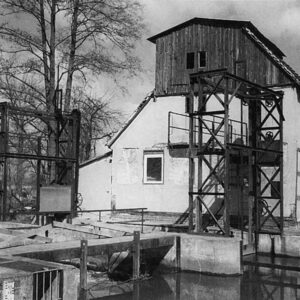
278,20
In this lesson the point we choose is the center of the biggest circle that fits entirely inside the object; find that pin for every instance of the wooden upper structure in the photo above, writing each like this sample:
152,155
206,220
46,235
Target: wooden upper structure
208,44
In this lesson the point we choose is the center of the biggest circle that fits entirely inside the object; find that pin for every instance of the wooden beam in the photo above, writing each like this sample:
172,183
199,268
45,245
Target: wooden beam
226,215
191,162
78,229
111,226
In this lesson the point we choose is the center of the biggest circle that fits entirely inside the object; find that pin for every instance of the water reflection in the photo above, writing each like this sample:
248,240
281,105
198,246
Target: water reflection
266,283
256,283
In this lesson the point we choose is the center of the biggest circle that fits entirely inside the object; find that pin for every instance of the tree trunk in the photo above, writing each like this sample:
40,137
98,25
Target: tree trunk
44,46
74,27
51,99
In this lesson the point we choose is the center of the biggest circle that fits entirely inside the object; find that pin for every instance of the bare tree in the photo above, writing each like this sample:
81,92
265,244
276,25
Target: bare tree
24,130
98,123
78,36
47,45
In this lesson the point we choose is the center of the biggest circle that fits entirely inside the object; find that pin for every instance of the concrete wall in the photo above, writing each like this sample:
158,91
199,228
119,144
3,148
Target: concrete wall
206,254
283,245
95,184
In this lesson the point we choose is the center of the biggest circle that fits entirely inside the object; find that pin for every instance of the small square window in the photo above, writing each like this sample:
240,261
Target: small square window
202,59
240,68
190,60
153,167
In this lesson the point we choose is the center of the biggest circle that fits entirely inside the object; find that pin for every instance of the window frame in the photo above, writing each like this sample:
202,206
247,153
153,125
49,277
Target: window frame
153,154
199,59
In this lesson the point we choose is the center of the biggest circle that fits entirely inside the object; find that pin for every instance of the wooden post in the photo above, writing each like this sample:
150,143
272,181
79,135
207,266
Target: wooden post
38,181
83,270
226,180
250,216
191,161
142,230
280,103
178,254
136,290
201,107
178,284
136,255
254,118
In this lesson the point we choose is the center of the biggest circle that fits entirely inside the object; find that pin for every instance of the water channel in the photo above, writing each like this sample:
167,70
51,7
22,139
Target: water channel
256,283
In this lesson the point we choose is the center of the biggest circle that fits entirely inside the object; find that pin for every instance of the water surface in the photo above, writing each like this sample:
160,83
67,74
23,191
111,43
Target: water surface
255,283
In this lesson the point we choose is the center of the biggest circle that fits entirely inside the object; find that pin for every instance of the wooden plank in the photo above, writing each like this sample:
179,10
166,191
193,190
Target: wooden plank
157,66
19,238
41,231
77,228
115,260
19,241
111,226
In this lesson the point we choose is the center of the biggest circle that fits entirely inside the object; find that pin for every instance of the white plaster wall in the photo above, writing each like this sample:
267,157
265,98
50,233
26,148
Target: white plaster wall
291,139
149,131
95,184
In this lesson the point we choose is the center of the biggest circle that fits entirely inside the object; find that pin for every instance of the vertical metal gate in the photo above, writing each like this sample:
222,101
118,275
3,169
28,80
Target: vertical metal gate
48,285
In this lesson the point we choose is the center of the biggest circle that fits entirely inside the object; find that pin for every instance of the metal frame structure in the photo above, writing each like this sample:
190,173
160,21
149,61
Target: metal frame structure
259,149
65,131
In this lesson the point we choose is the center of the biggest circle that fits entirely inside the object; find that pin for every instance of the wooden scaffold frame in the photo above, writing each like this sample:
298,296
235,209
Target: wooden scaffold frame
259,141
66,130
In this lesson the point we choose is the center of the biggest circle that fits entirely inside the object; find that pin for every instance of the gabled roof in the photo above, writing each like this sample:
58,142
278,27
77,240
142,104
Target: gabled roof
222,23
286,68
132,117
270,49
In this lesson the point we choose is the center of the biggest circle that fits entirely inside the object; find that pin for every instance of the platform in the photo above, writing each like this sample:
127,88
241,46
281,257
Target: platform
71,249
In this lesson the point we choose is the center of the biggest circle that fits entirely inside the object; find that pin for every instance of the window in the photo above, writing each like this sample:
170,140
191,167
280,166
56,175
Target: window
153,167
240,68
202,59
190,60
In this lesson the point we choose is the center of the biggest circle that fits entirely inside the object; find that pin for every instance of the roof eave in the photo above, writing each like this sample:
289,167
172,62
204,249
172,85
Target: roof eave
98,158
219,22
132,118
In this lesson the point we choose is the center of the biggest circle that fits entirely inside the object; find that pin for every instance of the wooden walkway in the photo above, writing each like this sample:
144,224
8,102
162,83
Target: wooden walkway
71,249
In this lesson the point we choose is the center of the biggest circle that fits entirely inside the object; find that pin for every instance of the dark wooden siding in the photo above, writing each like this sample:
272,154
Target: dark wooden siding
224,46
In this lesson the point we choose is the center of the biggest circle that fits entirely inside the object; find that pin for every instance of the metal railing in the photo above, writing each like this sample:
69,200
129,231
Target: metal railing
237,129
